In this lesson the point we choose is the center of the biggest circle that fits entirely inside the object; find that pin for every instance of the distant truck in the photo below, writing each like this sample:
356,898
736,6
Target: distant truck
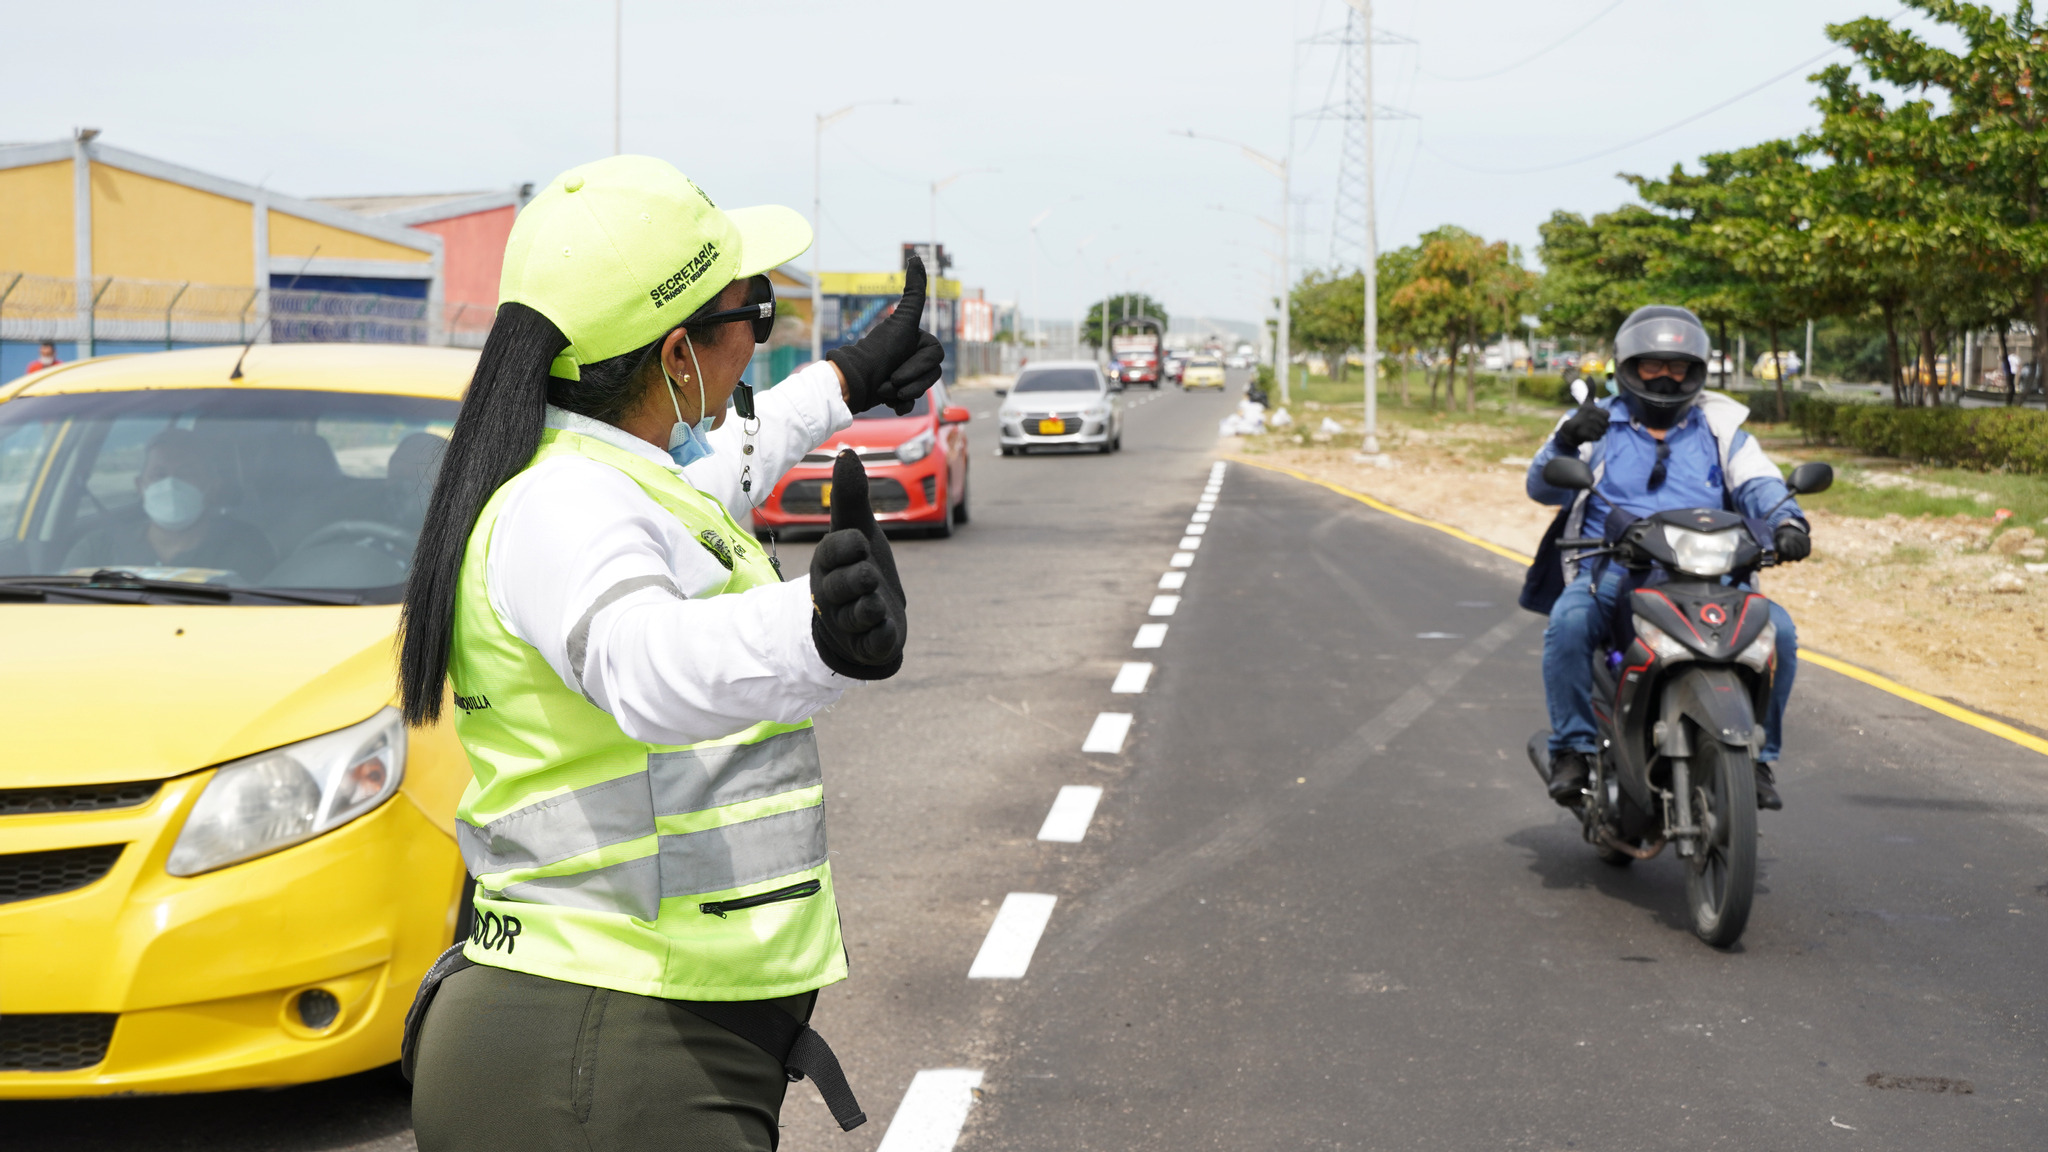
1137,344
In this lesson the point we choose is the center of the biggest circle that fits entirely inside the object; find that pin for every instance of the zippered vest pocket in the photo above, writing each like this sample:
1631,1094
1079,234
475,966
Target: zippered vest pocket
719,908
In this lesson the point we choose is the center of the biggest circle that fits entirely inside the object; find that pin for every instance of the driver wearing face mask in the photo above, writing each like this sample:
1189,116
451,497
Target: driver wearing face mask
181,525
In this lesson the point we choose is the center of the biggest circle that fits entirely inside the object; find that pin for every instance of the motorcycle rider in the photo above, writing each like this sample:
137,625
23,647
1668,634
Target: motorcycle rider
1663,443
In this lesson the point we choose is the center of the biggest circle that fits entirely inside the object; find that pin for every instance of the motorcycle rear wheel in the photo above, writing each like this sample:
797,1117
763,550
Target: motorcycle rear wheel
1720,878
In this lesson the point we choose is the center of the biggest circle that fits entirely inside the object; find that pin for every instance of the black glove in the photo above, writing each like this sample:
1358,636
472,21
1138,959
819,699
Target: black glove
1589,423
1792,543
857,622
896,361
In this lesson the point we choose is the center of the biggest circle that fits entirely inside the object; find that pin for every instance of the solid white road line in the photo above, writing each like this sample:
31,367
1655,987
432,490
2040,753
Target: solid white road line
1190,543
1150,636
1183,560
932,1112
1163,606
1006,950
1107,733
1172,581
1132,677
1072,809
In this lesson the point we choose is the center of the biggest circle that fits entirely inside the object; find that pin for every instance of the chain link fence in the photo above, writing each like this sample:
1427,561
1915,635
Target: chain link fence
120,310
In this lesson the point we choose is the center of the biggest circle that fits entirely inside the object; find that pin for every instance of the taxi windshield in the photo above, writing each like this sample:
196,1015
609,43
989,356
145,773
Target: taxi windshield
244,488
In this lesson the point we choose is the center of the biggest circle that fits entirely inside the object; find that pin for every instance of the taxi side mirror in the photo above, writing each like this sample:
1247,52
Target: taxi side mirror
954,414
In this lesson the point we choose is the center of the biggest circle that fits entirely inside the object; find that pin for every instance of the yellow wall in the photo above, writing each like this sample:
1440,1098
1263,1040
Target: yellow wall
35,220
882,284
150,229
296,236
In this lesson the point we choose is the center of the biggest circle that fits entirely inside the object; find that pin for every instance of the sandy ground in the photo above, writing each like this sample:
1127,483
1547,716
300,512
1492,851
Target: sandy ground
1931,603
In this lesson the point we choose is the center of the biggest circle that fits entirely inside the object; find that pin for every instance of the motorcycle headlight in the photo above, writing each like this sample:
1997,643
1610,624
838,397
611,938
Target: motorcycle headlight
917,447
1660,642
275,799
1758,654
1702,553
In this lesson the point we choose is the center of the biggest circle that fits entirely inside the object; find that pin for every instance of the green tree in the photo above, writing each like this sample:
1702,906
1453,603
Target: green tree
1127,304
1327,316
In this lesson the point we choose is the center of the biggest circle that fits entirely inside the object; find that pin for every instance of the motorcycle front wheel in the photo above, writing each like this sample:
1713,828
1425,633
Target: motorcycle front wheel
1720,878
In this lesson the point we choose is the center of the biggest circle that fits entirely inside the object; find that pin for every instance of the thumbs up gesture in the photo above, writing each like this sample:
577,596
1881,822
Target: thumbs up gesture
858,623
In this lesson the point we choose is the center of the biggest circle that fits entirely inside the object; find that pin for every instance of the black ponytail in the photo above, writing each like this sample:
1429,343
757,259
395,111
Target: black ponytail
495,436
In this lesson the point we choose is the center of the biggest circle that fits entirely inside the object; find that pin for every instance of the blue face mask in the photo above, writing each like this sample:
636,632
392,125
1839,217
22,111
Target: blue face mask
689,443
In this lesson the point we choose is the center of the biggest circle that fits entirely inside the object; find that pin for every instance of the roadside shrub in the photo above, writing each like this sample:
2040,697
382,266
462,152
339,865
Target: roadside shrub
1984,439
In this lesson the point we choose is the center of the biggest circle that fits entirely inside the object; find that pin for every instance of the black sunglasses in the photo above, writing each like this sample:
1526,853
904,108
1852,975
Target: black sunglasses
759,310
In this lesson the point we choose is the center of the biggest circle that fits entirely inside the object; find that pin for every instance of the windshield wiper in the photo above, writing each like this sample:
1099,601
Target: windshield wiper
116,580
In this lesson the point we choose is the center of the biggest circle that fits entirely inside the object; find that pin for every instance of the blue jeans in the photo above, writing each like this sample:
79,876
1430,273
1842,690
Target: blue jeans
1578,624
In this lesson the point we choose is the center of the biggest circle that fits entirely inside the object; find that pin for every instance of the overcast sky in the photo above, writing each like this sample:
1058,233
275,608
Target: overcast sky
1070,102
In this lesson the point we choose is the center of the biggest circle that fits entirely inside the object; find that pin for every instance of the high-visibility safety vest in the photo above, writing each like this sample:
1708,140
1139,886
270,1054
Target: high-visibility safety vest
695,872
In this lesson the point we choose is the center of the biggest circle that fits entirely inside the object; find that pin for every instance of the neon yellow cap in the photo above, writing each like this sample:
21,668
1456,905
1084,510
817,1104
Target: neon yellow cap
618,251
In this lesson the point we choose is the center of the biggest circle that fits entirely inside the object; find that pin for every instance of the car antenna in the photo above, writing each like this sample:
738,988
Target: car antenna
237,373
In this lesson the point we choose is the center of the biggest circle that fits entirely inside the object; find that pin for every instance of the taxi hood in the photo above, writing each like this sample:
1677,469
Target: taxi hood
98,694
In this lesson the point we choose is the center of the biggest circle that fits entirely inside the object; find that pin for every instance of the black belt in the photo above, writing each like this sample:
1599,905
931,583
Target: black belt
794,1044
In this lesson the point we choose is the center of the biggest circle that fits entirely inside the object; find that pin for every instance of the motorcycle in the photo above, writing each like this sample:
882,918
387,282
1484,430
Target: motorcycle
1678,693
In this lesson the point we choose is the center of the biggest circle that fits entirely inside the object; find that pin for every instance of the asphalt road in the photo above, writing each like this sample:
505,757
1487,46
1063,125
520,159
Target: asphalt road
1323,902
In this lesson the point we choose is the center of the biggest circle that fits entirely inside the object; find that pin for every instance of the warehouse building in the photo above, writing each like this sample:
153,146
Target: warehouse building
104,250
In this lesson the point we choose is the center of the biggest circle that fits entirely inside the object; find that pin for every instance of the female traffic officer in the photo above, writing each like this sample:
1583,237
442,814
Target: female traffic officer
634,684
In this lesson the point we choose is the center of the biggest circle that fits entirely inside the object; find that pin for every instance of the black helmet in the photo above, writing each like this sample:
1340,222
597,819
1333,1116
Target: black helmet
1661,332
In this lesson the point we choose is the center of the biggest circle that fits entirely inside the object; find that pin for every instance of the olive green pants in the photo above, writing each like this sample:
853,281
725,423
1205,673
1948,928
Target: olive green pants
510,1062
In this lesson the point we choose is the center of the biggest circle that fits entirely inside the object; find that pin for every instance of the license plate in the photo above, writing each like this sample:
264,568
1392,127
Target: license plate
1052,427
825,495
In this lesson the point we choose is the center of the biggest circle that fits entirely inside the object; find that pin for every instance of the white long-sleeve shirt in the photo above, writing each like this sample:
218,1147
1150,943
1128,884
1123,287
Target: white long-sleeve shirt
611,589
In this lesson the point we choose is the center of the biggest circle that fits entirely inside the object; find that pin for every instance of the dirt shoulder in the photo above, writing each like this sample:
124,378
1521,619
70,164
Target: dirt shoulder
1946,605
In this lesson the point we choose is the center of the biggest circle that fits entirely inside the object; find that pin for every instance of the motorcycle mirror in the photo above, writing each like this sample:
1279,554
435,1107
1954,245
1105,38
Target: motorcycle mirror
1580,391
1570,472
1810,477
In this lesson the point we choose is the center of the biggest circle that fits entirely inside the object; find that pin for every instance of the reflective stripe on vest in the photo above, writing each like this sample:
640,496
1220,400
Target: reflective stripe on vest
693,873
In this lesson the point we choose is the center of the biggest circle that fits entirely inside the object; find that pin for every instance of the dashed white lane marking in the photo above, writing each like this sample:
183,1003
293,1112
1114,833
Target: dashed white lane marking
1196,529
1212,491
932,1112
1183,560
1132,678
1190,543
1072,809
1107,733
1438,636
1172,581
1206,506
1150,636
1200,517
1163,606
1006,950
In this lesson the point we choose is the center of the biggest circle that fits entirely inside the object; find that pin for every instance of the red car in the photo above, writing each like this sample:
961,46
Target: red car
917,470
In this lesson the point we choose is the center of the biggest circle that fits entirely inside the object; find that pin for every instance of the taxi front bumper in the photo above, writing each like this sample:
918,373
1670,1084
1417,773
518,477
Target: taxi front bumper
292,967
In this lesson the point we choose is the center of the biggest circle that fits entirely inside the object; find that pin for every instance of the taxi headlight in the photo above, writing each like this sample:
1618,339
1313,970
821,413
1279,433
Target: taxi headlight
278,798
1702,553
1759,652
1660,642
1097,412
917,447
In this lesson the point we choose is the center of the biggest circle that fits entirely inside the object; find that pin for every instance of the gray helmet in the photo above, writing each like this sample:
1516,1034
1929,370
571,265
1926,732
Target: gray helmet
1661,332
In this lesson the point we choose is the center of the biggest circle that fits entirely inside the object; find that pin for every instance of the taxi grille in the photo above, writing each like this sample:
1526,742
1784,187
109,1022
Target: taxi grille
806,497
1071,423
28,875
76,797
54,1041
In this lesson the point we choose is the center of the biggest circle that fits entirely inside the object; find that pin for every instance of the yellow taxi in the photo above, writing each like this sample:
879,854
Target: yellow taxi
225,861
1203,372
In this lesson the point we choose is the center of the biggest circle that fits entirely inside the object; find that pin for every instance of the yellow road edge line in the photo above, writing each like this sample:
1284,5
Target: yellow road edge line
1956,712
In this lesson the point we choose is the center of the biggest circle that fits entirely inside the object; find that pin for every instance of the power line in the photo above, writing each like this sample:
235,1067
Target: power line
1672,127
1539,53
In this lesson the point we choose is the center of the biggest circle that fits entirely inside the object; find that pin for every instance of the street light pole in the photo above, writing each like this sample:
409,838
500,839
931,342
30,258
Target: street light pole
618,71
1282,355
1370,446
824,119
1037,325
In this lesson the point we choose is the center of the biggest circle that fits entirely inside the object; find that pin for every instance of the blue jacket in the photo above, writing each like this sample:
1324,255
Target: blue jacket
1713,464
